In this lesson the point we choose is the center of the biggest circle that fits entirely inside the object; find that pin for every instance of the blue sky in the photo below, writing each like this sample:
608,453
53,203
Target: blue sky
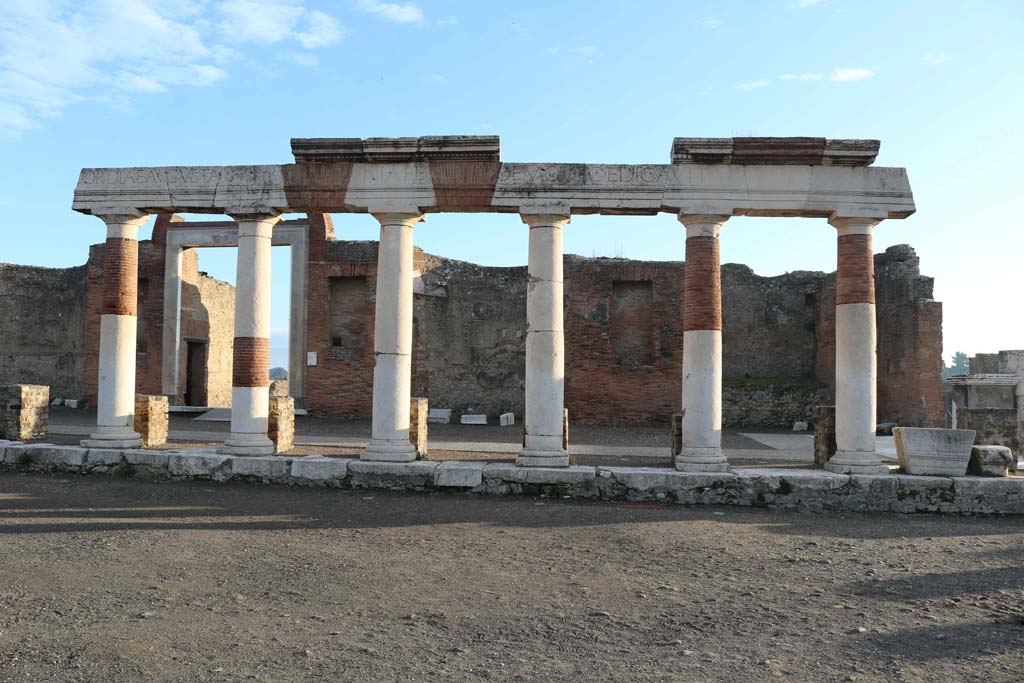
148,83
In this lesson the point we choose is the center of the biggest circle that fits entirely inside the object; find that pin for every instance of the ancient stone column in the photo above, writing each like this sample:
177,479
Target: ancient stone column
392,340
115,405
855,350
543,444
250,370
701,428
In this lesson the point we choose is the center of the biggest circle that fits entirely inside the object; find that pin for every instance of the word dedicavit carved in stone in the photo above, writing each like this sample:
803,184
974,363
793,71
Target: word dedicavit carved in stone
401,180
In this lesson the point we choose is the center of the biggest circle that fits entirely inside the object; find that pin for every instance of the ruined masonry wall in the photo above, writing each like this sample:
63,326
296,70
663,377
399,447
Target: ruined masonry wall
42,337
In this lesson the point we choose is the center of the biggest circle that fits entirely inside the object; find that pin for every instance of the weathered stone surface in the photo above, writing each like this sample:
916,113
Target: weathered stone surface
151,419
824,434
24,411
775,150
507,419
155,460
418,412
418,474
459,474
317,469
394,150
439,415
1004,496
990,461
265,468
473,420
933,451
104,458
281,423
994,426
48,456
200,464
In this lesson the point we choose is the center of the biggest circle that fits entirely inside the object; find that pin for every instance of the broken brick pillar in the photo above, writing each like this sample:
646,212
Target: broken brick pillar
24,411
824,434
418,409
281,423
151,419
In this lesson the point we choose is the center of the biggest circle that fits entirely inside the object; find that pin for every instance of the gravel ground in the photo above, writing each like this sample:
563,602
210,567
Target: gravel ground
114,580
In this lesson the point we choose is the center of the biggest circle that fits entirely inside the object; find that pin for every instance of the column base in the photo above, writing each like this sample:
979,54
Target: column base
534,458
247,445
856,462
701,460
113,437
390,451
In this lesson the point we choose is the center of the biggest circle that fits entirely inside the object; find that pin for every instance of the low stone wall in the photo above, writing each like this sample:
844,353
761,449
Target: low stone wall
994,426
781,404
24,411
809,490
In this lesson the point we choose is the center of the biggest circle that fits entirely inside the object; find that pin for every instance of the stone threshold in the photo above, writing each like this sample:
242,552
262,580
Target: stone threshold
795,489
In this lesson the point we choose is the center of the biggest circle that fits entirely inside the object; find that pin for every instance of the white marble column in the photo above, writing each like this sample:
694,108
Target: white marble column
392,340
250,372
545,345
856,356
702,347
115,404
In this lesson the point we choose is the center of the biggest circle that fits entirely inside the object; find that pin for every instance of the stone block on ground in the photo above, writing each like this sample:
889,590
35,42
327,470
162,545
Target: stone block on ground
71,402
459,474
151,419
800,426
507,419
265,468
990,461
200,464
320,470
418,474
418,413
824,434
940,452
472,419
441,416
677,435
24,411
281,423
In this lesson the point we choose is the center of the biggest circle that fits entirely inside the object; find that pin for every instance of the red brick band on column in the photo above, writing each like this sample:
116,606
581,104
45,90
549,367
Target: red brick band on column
120,276
855,281
251,362
702,285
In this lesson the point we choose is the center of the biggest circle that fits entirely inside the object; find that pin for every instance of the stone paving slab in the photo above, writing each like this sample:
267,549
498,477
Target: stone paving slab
797,489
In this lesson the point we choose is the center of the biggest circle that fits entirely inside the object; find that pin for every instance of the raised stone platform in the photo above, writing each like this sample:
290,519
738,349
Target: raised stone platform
809,490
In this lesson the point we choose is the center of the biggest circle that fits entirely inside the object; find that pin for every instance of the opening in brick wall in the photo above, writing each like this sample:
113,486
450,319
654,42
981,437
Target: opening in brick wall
631,320
349,302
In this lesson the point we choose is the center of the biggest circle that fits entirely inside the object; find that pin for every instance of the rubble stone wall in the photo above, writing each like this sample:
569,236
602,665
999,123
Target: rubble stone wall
42,334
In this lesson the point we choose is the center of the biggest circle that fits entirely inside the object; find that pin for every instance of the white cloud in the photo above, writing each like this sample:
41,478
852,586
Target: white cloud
804,4
55,53
754,85
435,79
841,75
934,58
801,77
398,12
447,21
711,23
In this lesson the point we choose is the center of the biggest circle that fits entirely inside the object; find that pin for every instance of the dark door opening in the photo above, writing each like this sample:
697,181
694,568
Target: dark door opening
195,373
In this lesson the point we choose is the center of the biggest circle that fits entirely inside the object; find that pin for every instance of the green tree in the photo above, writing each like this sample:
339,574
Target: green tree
961,365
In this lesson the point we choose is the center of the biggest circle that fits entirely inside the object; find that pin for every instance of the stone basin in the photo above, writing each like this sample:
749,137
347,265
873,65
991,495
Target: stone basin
941,452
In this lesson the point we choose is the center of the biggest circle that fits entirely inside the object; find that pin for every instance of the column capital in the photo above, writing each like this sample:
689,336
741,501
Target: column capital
403,218
854,225
123,225
545,219
254,215
703,224
256,224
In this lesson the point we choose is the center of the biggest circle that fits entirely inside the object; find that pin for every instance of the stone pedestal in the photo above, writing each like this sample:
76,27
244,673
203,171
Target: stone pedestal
990,461
151,419
418,413
281,423
24,411
824,434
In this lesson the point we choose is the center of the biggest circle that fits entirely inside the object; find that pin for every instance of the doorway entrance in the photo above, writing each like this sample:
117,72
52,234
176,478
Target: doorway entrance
195,372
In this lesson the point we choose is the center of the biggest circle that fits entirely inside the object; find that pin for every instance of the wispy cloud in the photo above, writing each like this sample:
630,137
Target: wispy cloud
398,12
710,22
845,75
934,58
58,53
754,85
435,79
804,4
801,77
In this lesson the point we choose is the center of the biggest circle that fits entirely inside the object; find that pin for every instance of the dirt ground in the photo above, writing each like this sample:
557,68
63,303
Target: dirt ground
108,580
